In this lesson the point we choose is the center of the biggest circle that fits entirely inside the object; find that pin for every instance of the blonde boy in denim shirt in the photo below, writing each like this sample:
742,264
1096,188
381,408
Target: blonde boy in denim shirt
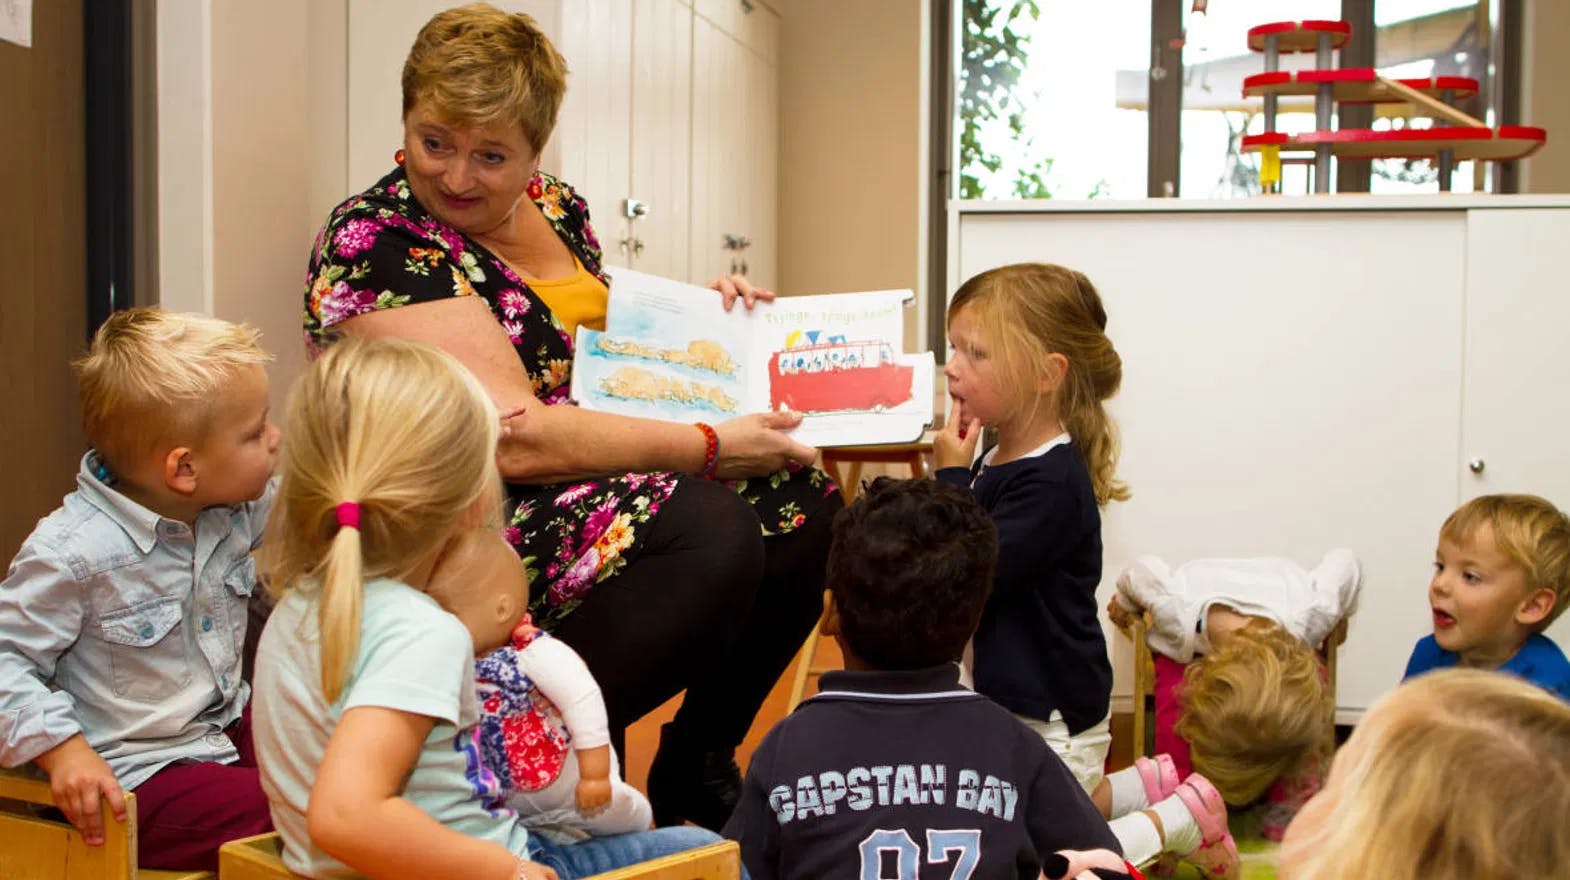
123,616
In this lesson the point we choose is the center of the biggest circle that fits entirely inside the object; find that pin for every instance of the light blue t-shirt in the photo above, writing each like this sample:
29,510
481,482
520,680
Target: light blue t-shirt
413,657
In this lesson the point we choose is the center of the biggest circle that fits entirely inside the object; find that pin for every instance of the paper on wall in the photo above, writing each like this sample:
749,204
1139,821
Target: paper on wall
16,21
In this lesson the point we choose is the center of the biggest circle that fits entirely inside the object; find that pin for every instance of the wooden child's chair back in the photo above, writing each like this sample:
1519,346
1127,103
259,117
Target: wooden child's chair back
33,847
260,858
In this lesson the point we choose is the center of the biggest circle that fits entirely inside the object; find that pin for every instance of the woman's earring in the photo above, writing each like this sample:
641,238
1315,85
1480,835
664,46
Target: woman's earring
398,157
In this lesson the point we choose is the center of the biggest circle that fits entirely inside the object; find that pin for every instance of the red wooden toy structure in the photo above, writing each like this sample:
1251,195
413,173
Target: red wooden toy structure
1454,136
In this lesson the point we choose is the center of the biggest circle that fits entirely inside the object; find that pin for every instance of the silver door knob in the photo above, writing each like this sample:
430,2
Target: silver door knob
1476,465
635,208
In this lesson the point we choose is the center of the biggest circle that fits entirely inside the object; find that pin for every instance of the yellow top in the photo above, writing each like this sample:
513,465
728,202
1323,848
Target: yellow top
580,298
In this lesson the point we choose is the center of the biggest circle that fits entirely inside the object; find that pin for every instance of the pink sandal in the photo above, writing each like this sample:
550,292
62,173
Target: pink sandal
1159,775
1217,855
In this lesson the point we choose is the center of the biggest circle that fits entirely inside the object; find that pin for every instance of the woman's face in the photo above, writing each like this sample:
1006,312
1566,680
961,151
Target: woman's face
470,178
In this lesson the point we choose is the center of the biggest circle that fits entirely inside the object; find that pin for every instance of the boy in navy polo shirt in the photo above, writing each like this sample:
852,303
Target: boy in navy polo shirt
894,769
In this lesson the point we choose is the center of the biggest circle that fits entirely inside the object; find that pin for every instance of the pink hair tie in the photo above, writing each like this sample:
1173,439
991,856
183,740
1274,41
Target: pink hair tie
348,515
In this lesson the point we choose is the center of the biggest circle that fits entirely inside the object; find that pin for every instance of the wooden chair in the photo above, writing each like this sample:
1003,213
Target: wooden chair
33,847
912,455
1145,676
260,858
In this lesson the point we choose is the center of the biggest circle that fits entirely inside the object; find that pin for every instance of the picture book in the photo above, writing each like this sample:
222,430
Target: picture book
670,351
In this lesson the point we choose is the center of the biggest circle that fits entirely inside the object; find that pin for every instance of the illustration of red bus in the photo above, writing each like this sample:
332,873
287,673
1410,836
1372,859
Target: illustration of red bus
838,375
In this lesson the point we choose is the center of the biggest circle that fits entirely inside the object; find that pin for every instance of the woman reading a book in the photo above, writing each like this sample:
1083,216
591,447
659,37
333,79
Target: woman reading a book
669,555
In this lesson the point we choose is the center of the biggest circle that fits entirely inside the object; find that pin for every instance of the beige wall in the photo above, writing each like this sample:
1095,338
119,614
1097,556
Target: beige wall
278,161
1544,102
850,178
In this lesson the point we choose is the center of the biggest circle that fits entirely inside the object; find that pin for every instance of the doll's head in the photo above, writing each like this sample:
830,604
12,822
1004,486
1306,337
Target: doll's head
483,583
1254,709
1459,774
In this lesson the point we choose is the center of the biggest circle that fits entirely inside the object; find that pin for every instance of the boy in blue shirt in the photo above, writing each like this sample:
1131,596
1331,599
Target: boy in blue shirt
123,616
1501,576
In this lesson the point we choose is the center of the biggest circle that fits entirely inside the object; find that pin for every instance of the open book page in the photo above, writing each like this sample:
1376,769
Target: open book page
837,359
670,351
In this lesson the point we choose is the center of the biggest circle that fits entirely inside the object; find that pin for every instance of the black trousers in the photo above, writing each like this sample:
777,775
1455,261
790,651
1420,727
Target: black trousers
708,605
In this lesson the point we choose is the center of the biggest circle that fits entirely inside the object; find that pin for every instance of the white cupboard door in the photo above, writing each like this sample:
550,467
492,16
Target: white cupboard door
1515,432
593,140
1283,393
716,150
734,145
662,136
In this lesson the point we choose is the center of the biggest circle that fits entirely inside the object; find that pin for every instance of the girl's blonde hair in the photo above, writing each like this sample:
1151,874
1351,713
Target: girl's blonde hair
406,432
478,65
1255,709
1030,311
153,376
1460,774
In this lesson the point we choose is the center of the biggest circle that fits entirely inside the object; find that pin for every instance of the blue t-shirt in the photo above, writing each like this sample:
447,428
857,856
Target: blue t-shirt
1539,661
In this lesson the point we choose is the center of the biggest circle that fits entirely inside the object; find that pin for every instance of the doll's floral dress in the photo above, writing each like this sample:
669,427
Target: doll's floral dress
381,249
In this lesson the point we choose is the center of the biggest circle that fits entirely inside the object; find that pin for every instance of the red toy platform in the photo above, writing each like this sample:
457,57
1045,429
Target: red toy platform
1299,36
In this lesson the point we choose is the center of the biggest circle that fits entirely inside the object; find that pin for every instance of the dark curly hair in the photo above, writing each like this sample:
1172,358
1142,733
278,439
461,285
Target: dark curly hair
910,569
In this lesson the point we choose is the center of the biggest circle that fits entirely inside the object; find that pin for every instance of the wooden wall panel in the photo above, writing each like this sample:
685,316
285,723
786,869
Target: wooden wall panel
43,297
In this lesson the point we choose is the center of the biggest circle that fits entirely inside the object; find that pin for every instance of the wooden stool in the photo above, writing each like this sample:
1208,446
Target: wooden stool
913,455
35,848
1145,675
261,858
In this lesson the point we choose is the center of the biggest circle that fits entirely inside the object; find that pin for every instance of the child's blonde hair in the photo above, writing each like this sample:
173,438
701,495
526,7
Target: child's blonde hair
1255,709
1459,774
153,376
1530,531
1032,310
404,431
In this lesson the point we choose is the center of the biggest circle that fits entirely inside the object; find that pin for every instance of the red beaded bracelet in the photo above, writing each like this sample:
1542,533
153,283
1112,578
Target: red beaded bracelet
711,450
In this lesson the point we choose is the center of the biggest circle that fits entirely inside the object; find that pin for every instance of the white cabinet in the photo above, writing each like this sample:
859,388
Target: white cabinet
1515,423
671,104
735,141
1299,380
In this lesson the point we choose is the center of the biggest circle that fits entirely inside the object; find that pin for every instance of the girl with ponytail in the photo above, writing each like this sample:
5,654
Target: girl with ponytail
1029,357
365,709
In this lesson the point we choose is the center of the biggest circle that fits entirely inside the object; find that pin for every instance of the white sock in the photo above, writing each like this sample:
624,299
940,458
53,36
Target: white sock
1177,824
1128,792
1138,836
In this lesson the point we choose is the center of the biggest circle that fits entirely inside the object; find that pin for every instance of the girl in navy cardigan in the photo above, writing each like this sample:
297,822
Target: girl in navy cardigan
1030,358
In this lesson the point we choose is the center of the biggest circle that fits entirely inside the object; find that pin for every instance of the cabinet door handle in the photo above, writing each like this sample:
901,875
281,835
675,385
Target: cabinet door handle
1476,465
635,208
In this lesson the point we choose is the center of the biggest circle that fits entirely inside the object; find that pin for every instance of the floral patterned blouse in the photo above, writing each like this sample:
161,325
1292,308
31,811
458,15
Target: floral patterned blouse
381,250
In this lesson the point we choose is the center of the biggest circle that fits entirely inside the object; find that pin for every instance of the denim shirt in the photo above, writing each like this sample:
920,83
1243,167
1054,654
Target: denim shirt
125,627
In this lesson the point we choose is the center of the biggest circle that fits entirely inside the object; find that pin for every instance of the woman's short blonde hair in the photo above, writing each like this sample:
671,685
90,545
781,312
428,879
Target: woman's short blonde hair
1254,710
405,432
1460,774
1529,530
152,377
478,65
